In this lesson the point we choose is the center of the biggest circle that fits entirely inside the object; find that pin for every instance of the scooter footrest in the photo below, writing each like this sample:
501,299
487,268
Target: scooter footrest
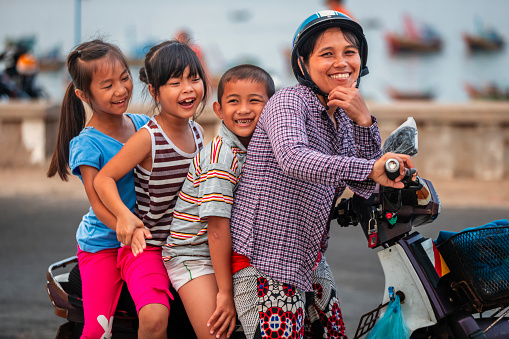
368,321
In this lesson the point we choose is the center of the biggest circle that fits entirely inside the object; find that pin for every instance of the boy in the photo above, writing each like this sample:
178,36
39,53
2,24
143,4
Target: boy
198,250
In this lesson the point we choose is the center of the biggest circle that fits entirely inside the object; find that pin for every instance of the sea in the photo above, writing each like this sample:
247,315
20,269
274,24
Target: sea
261,32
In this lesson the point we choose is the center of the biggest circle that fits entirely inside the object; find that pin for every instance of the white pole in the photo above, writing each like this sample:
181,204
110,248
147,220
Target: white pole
77,21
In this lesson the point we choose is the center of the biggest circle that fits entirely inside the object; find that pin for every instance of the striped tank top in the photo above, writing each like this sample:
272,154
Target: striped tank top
157,190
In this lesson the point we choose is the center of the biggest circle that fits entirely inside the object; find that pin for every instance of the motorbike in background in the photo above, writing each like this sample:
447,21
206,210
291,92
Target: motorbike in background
18,78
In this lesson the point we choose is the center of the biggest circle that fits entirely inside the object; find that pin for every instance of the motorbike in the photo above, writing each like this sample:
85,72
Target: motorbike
434,305
471,300
18,78
64,289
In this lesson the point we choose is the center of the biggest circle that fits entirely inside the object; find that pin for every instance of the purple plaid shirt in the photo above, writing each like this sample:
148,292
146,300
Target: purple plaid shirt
296,162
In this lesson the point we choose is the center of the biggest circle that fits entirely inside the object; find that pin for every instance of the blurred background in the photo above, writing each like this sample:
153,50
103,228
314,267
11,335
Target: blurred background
448,51
445,63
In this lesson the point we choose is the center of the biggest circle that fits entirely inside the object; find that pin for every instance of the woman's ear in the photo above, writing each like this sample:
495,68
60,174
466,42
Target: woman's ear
152,91
216,106
80,94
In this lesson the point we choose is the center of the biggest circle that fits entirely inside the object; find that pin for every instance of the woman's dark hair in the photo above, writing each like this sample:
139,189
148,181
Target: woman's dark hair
246,72
306,48
81,65
169,59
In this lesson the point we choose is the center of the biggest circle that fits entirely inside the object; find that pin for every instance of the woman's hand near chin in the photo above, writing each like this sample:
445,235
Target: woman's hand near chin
352,102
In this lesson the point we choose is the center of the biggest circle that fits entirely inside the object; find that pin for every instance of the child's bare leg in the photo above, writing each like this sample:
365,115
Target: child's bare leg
153,321
199,298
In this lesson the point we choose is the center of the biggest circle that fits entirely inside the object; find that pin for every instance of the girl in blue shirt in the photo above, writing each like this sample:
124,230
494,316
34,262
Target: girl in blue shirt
101,79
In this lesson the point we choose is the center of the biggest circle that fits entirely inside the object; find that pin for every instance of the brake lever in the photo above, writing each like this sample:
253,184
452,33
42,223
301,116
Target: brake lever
343,213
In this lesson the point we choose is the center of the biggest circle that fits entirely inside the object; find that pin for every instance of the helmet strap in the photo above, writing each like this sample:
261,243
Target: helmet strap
364,70
306,81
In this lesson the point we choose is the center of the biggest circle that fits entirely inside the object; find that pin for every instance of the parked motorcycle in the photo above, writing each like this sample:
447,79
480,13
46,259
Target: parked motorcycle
18,79
433,305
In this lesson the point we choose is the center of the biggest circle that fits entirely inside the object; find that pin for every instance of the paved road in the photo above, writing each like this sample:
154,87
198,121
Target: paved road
35,232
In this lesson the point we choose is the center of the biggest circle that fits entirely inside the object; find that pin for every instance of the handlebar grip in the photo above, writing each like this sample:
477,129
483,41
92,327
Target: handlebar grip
392,168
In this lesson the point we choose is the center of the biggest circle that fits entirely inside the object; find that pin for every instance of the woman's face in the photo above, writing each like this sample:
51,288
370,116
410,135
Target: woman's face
334,61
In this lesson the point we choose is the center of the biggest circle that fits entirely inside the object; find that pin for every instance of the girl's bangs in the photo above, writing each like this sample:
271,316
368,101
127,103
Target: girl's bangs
109,62
178,60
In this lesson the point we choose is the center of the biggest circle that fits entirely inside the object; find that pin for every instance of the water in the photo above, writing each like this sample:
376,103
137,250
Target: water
231,32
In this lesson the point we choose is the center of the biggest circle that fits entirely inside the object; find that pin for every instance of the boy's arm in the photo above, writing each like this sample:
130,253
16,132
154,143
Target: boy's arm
135,150
220,244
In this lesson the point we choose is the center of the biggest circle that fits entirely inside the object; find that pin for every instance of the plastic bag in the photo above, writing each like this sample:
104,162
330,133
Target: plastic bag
391,325
403,139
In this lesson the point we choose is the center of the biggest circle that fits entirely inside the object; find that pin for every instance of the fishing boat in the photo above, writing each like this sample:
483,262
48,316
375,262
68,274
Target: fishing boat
396,94
137,51
51,60
485,39
488,92
479,43
414,39
401,44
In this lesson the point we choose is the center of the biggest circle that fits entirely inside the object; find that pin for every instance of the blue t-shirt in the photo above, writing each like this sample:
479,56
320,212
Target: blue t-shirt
94,148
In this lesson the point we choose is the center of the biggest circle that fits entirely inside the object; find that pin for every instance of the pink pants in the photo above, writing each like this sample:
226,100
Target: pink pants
102,276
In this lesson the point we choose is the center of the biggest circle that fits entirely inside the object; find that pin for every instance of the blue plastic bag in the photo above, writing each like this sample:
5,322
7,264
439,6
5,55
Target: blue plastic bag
391,325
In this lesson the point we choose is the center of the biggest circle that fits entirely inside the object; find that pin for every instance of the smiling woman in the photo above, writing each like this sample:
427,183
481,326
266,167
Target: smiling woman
335,61
329,56
334,66
311,141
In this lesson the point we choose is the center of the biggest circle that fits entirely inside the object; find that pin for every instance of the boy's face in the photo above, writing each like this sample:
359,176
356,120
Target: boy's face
241,105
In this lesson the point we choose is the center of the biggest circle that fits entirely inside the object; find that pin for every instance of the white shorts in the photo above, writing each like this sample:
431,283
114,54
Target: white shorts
183,272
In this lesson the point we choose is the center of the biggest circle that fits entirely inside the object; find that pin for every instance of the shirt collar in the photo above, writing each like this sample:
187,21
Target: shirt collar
232,138
316,102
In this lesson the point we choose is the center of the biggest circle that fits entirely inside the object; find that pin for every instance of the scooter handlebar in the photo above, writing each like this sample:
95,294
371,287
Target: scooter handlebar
392,168
392,172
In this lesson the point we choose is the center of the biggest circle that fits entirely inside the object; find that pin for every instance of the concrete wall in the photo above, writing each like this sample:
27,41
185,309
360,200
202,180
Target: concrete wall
455,140
28,132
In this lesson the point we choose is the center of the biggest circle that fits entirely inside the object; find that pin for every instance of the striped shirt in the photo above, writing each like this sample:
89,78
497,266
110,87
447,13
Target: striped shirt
297,162
157,190
208,191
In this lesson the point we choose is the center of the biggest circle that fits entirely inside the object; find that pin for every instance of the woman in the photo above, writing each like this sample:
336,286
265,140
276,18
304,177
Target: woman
312,140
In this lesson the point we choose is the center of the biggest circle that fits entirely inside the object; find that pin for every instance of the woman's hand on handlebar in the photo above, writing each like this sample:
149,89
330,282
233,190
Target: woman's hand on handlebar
378,173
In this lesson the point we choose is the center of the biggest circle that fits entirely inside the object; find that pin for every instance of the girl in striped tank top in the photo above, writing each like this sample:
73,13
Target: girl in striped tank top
160,154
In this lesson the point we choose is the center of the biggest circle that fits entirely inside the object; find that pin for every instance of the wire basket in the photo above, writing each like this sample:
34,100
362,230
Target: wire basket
479,260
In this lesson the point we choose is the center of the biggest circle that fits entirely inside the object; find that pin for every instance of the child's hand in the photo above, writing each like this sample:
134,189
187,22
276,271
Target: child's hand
126,224
224,317
138,243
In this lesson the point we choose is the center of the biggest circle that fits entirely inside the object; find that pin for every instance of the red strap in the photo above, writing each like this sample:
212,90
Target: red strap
239,262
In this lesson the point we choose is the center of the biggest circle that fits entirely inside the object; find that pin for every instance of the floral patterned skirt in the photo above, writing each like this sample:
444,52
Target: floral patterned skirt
268,308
